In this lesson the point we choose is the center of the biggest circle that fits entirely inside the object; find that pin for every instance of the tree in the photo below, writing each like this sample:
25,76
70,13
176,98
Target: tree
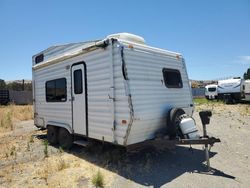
194,85
15,86
2,84
246,75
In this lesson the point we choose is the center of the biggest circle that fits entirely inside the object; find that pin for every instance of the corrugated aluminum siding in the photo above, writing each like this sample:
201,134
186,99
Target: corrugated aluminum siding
99,77
151,99
52,111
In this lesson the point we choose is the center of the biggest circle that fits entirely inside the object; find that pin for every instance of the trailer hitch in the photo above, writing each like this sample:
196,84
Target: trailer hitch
203,140
205,119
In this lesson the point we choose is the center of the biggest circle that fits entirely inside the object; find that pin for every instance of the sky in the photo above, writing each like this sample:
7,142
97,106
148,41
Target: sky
213,35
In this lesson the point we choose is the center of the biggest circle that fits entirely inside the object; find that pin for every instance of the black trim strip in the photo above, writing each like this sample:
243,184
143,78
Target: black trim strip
237,86
123,65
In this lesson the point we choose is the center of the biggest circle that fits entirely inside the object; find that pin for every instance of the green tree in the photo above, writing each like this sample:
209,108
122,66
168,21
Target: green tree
15,86
246,75
2,84
28,86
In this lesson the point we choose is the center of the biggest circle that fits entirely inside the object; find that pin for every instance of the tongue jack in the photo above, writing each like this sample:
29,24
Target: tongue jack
205,119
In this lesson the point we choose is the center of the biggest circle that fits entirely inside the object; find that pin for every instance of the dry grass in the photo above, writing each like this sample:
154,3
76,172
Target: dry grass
13,113
98,180
245,110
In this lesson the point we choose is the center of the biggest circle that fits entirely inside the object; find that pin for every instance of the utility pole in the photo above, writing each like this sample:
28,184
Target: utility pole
23,85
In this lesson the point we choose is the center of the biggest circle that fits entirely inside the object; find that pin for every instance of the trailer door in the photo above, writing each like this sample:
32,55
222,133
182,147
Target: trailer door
79,98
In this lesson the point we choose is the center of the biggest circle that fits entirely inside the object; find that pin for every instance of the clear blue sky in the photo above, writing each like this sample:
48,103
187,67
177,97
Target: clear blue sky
213,36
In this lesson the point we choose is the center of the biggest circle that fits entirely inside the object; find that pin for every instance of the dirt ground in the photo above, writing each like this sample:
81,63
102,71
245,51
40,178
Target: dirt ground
27,161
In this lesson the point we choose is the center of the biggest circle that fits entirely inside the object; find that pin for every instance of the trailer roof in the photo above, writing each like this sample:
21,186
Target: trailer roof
60,52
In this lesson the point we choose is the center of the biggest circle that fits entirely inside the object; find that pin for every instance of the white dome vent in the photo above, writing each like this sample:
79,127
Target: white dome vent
128,37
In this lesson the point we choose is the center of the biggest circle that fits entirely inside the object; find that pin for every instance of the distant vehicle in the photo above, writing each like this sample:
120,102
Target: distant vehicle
211,91
246,90
4,96
230,90
117,90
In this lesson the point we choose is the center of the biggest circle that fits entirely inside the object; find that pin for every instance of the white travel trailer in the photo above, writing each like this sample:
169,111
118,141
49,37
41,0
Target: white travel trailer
246,90
117,90
211,91
231,89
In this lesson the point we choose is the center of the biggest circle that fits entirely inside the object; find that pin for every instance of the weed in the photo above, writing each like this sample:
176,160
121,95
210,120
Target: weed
245,110
98,180
45,175
62,164
199,101
28,146
6,120
61,149
13,151
31,139
45,150
12,113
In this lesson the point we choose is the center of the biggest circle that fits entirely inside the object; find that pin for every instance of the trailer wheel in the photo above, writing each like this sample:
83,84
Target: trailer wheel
52,133
173,122
65,139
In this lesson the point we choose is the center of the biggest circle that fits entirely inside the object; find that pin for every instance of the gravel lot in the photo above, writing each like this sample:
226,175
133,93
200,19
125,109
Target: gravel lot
23,162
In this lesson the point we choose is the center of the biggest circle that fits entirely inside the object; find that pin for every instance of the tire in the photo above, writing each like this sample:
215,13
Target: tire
52,133
65,139
173,128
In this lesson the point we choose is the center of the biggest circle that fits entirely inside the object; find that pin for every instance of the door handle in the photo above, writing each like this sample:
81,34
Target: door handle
72,99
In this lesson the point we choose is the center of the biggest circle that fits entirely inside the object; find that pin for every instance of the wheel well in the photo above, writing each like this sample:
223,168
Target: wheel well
61,126
172,120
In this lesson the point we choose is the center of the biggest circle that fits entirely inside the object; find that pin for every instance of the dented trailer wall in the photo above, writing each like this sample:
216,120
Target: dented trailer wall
151,99
127,100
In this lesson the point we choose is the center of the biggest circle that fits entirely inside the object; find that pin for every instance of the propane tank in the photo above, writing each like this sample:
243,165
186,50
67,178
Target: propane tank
188,128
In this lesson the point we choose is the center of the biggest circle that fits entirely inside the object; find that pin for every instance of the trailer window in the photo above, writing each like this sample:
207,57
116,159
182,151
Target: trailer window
56,90
39,58
172,78
212,89
78,81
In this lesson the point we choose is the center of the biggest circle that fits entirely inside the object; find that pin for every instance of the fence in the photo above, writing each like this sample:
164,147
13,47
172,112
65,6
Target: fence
198,92
21,97
25,97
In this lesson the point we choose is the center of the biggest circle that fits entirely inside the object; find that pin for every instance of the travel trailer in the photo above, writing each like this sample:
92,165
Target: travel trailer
230,90
246,90
211,91
117,90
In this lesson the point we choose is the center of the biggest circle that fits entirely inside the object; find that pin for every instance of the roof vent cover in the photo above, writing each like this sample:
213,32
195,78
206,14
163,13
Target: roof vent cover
128,37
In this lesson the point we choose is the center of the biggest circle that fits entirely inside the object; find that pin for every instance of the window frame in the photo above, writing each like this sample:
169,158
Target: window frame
213,89
164,70
65,89
81,82
39,58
